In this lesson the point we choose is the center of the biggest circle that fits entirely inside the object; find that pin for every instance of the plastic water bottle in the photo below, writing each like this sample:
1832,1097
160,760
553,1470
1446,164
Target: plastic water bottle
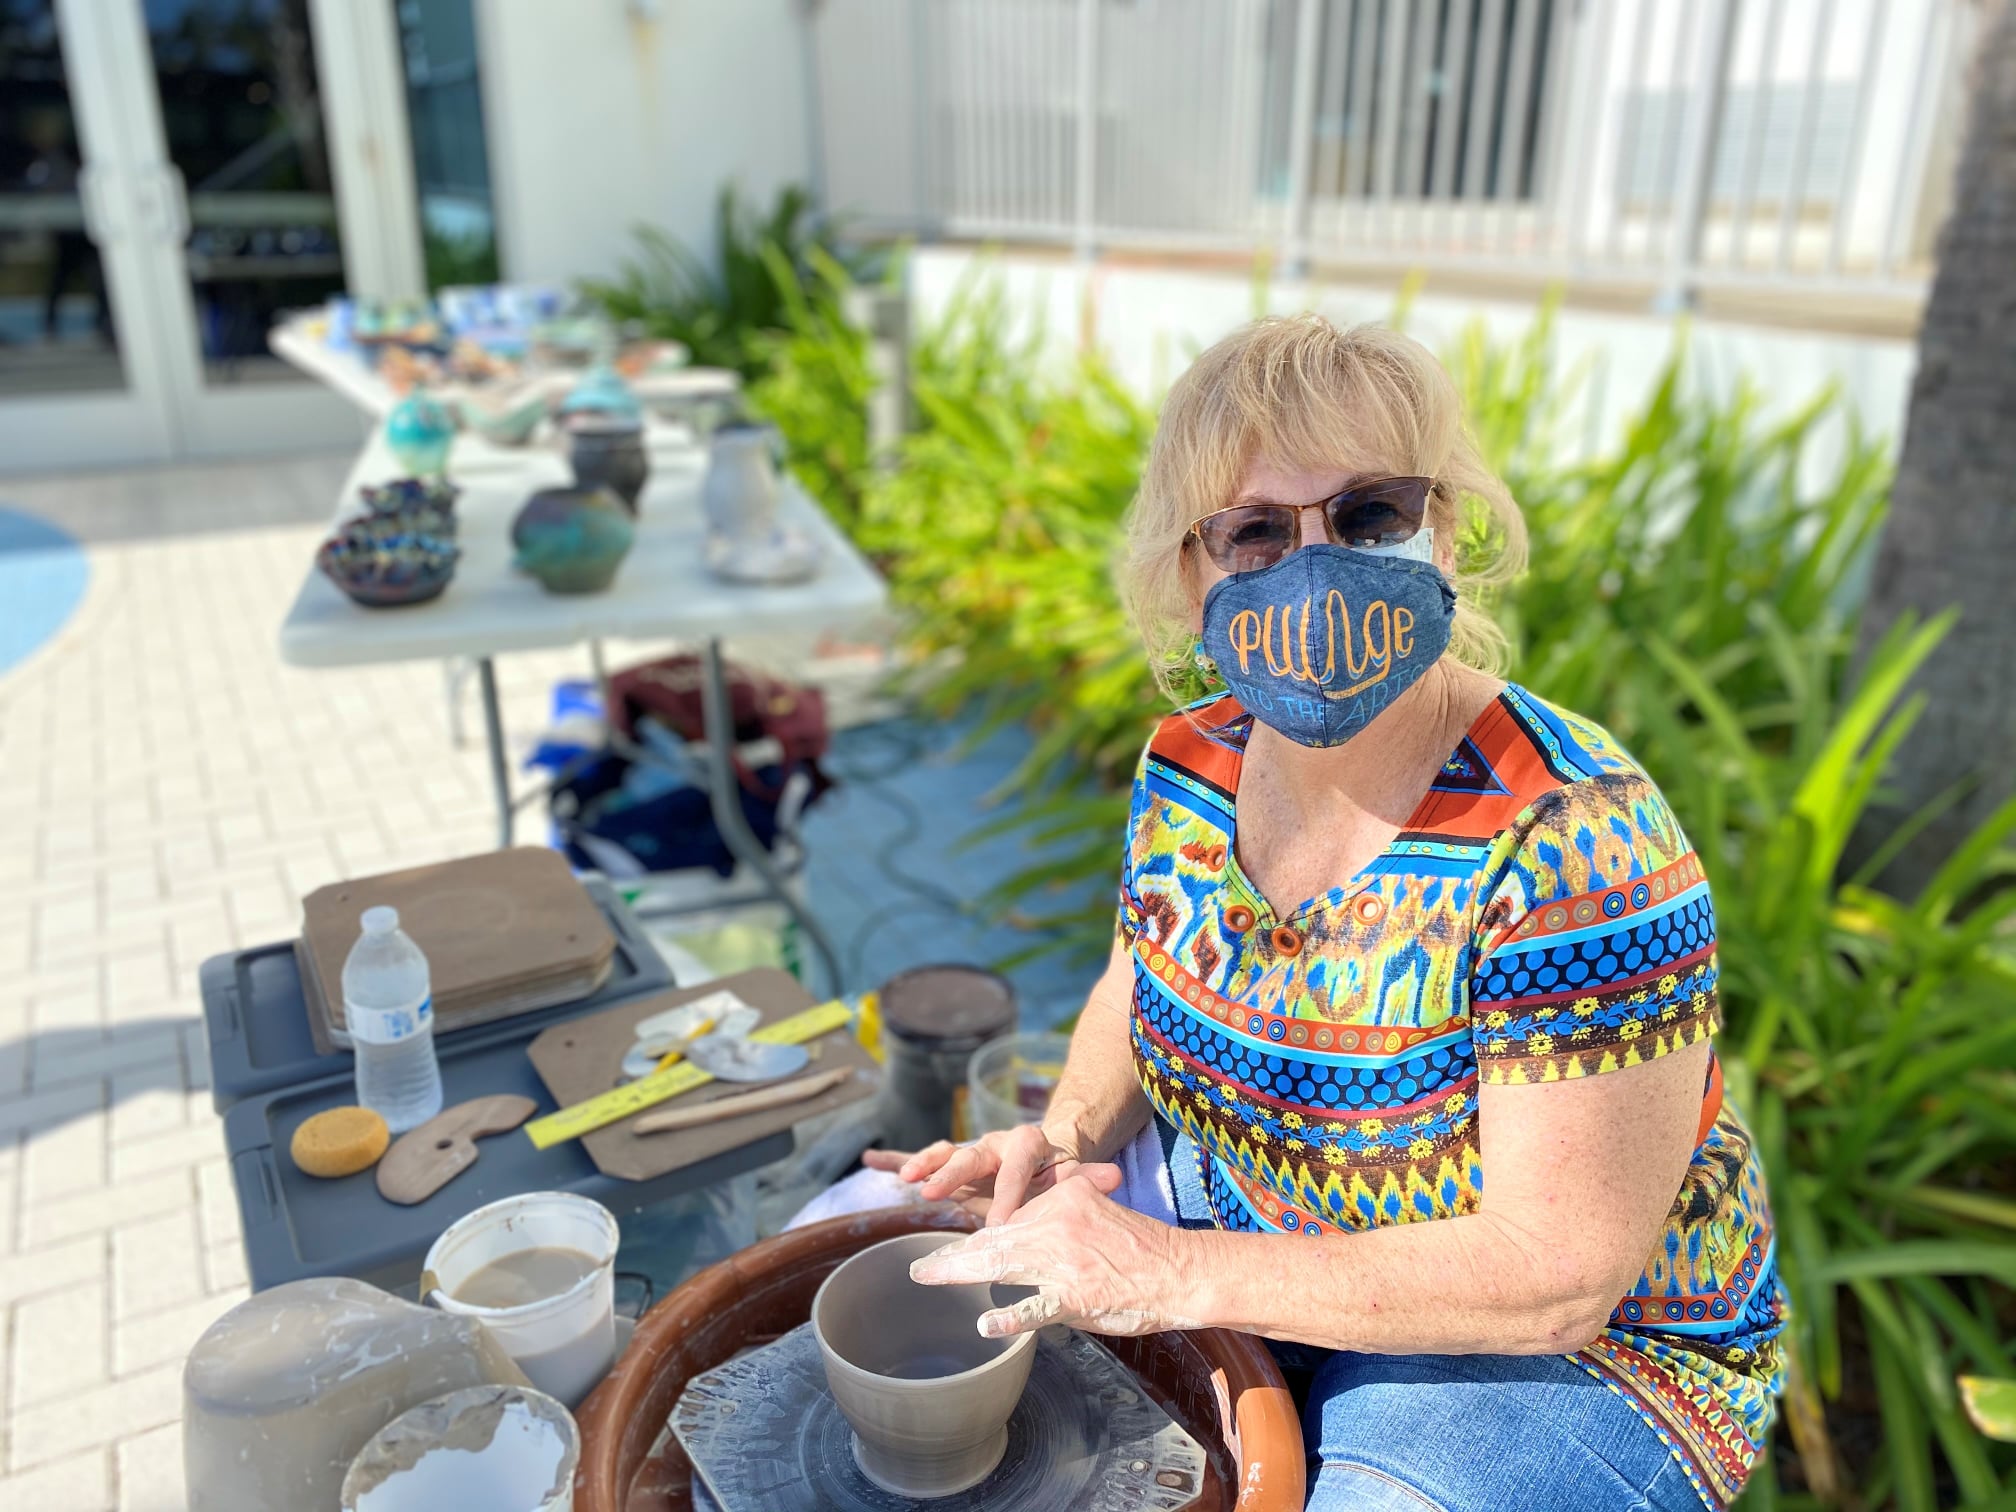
388,1004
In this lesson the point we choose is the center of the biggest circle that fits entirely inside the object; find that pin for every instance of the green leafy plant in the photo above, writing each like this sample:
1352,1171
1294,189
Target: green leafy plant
1991,1405
1866,1045
721,310
817,379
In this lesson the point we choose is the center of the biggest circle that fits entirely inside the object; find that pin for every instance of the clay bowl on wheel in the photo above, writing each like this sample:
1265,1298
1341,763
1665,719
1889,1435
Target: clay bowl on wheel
928,1396
1224,1388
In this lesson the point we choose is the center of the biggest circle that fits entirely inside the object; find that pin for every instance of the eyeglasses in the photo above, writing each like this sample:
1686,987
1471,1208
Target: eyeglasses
1379,512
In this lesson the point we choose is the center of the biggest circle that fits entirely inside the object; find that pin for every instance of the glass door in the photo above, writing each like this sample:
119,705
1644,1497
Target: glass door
80,377
173,180
242,160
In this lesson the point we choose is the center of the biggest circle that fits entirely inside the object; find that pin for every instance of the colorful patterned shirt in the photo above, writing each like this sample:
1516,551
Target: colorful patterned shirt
1539,916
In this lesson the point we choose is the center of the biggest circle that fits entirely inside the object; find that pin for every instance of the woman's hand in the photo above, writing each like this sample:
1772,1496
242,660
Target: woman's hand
1009,1166
1096,1265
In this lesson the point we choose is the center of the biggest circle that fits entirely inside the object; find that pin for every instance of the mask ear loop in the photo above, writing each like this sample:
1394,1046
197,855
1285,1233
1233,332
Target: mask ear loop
1211,680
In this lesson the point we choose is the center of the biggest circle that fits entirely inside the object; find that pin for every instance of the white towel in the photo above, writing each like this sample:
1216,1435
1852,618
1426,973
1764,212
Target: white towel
863,1192
1144,1178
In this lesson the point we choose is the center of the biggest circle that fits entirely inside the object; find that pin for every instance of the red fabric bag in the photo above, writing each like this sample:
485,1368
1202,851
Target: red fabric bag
761,707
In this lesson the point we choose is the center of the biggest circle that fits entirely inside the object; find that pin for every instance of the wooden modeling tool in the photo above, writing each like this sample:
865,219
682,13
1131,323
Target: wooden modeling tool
424,1160
778,1096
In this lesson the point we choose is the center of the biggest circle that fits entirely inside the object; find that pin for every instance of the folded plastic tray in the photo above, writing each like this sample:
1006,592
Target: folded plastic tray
297,1225
257,1018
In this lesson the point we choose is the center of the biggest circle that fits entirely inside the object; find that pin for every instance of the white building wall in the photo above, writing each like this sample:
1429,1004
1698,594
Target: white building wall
1150,323
603,114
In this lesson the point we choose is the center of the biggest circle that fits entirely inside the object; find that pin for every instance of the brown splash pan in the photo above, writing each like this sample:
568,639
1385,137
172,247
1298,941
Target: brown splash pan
1223,1387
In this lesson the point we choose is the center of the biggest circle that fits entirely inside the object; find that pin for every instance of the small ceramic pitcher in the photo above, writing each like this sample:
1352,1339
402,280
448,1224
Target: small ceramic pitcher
739,497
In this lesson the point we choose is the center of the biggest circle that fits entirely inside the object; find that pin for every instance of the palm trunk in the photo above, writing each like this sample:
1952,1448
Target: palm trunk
1951,537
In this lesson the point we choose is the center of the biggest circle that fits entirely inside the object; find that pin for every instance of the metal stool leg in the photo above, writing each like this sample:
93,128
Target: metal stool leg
493,731
726,803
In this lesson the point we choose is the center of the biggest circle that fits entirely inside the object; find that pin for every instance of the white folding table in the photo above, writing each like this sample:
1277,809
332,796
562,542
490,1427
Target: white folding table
663,591
299,341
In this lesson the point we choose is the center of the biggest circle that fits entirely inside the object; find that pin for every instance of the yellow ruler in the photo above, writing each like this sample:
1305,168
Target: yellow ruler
634,1097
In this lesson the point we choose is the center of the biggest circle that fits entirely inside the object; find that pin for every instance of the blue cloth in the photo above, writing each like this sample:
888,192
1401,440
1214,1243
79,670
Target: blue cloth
1476,1433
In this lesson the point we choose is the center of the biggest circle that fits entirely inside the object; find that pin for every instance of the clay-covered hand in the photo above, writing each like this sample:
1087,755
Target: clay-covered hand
1009,1167
1095,1264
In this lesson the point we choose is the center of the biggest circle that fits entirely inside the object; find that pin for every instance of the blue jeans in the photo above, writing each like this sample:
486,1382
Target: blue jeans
1478,1433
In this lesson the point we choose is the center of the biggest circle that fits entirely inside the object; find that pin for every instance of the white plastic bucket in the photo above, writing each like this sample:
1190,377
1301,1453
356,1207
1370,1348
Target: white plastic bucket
566,1343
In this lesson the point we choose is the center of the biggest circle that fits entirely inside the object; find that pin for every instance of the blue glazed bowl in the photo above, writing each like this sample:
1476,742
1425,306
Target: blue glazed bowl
381,562
511,425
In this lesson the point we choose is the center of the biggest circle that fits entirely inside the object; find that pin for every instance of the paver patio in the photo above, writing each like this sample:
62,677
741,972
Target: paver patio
172,790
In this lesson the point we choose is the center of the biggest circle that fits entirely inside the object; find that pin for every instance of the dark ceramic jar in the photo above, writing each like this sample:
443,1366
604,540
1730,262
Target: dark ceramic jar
610,455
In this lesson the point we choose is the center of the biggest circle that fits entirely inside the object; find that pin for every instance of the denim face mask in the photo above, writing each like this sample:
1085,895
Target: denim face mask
1316,645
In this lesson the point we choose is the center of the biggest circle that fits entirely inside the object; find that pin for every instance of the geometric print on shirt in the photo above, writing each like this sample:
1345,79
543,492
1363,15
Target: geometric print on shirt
1539,916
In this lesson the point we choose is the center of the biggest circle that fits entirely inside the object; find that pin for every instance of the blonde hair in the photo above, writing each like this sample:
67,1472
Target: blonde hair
1300,394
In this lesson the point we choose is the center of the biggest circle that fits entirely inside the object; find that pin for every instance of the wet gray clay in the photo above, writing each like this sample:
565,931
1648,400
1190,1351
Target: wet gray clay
280,1393
929,1398
497,1448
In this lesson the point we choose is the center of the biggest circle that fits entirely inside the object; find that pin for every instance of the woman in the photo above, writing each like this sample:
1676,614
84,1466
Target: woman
1388,924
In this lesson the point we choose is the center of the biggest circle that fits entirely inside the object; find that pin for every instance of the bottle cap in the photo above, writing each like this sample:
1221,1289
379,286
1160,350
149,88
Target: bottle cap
378,921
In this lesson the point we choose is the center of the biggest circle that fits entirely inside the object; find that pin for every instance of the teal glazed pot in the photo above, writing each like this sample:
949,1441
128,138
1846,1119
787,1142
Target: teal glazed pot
572,539
419,432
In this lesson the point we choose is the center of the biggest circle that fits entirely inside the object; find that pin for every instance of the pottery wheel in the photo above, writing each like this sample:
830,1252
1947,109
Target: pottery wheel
764,1436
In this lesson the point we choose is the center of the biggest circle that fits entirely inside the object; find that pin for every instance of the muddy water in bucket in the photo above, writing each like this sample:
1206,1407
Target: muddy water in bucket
928,1398
525,1276
538,1271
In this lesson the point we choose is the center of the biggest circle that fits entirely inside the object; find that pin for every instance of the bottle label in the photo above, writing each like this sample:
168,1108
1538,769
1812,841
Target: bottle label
388,1026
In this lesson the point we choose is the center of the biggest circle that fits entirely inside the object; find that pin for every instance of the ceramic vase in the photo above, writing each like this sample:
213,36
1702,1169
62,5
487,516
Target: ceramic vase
739,497
572,539
419,433
610,455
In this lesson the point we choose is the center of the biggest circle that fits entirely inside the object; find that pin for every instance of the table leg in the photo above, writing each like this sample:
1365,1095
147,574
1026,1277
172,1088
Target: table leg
493,733
725,800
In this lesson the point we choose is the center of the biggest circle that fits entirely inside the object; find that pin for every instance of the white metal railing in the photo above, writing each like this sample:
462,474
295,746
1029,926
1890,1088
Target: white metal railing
1682,142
